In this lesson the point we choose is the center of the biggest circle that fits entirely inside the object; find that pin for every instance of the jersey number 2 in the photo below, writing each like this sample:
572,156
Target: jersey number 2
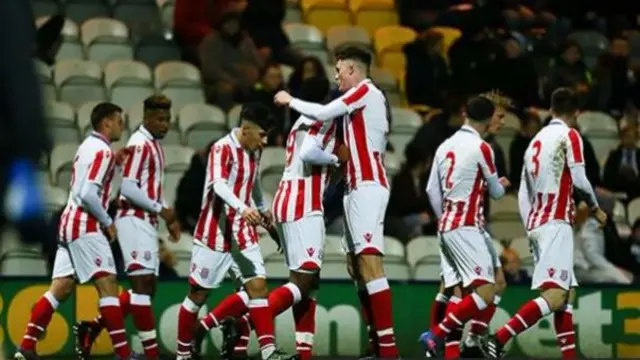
452,162
535,159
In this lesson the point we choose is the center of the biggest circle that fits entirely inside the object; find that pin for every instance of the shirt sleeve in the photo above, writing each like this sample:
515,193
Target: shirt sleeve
434,190
343,105
489,171
89,195
136,157
314,142
524,198
99,166
256,193
220,161
575,150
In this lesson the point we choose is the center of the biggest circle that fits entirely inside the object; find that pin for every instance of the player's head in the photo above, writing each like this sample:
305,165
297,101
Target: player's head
256,121
565,104
352,66
479,112
502,104
106,118
157,115
315,89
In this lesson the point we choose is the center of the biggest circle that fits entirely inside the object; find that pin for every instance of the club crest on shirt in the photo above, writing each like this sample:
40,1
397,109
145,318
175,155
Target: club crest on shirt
134,254
147,255
564,275
204,273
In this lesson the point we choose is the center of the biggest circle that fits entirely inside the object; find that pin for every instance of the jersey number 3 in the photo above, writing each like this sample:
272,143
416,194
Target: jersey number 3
535,159
451,156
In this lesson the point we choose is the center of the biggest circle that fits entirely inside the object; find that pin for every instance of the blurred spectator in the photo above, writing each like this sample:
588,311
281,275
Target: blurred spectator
420,14
612,79
621,171
168,262
529,126
50,245
634,249
189,191
517,77
230,62
522,14
271,81
309,67
263,19
49,39
440,124
511,265
568,70
409,213
427,75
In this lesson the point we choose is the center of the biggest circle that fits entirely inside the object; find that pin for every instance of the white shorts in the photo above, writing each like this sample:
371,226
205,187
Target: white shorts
87,257
552,250
139,243
364,211
449,272
208,267
303,242
466,257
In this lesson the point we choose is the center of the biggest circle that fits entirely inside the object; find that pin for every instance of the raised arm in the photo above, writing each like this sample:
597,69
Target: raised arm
487,164
434,190
218,176
343,105
313,145
575,161
90,191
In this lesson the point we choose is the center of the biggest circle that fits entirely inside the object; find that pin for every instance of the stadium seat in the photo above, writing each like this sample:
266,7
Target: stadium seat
325,13
156,49
400,141
388,42
171,181
129,82
397,271
347,35
70,47
373,14
287,71
597,123
271,167
394,250
423,248
510,124
44,7
135,117
520,245
62,120
166,8
106,40
134,12
384,79
60,164
333,250
633,210
181,82
335,270
449,36
78,81
23,262
427,270
392,164
201,123
505,208
54,198
183,263
269,248
619,213
82,10
507,229
321,54
177,158
405,121
303,36
48,92
233,116
277,269
83,116
185,244
43,71
497,247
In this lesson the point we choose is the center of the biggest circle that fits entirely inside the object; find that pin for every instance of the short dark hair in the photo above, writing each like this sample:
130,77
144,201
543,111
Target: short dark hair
564,101
479,108
356,53
103,111
258,114
157,102
315,89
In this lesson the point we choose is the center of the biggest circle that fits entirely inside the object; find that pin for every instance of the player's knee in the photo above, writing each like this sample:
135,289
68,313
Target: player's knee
555,297
305,281
257,287
143,284
61,288
370,267
486,292
197,294
501,283
106,285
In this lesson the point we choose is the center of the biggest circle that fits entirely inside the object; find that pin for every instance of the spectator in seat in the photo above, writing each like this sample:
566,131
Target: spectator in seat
231,63
612,79
427,74
529,126
309,67
189,191
622,169
263,20
517,77
270,83
512,267
634,250
568,70
440,124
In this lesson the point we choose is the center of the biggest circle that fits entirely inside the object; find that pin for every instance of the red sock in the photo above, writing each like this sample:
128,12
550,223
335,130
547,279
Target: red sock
283,298
528,315
382,311
125,307
452,341
240,350
41,314
438,308
262,320
233,305
114,323
145,323
187,319
563,324
469,306
304,314
365,311
480,322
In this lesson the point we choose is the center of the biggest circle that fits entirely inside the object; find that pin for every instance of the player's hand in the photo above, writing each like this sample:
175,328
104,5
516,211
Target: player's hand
169,215
282,98
343,153
111,232
504,182
600,215
174,231
252,216
267,218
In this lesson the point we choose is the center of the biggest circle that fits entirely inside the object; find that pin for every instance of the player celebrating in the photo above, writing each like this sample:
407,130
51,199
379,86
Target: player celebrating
227,220
141,203
84,235
365,128
553,165
462,168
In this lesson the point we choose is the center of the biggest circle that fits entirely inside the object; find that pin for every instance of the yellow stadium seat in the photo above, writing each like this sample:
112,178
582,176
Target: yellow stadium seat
449,36
392,38
324,14
373,14
393,61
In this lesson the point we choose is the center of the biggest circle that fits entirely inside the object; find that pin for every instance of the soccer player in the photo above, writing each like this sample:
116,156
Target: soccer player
85,232
227,220
141,204
365,127
463,167
553,165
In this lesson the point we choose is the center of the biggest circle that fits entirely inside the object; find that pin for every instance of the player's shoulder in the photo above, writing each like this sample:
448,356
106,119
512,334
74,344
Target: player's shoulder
137,139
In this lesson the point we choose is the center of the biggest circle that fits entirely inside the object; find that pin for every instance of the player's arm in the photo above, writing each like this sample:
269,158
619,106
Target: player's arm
575,161
130,187
218,176
488,166
434,190
90,190
256,193
343,105
525,198
312,148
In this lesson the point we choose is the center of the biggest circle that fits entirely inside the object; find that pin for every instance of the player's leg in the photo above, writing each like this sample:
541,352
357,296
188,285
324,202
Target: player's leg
61,287
365,217
563,325
439,305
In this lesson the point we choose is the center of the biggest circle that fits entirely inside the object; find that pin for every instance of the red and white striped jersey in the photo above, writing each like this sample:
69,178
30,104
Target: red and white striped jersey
463,163
366,129
93,162
546,173
302,186
145,165
219,223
